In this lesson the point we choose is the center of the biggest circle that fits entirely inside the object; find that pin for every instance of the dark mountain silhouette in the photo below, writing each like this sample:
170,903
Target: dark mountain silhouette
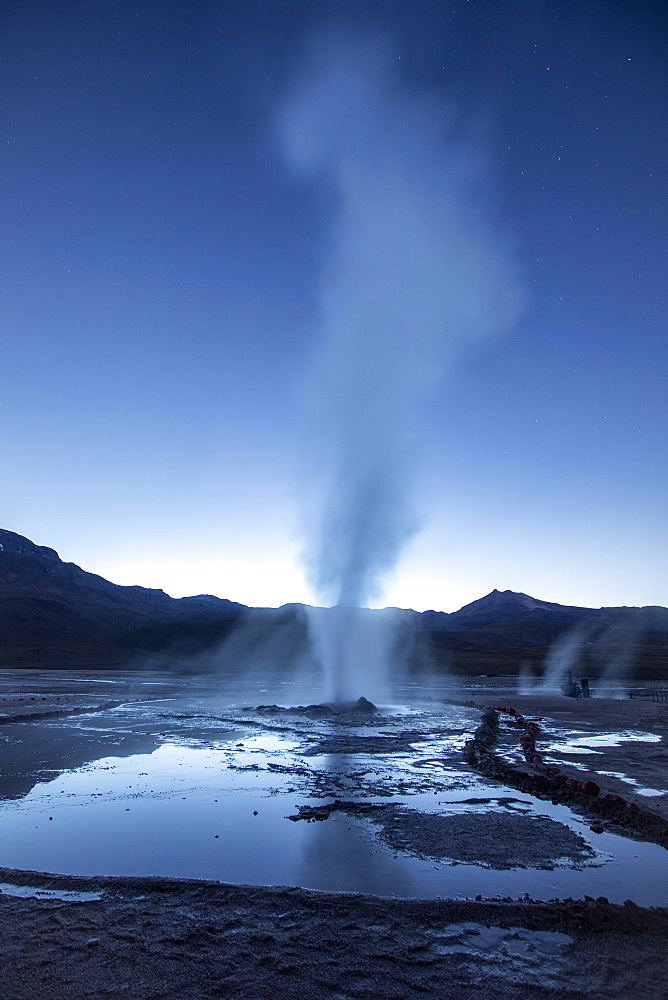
505,631
54,614
507,606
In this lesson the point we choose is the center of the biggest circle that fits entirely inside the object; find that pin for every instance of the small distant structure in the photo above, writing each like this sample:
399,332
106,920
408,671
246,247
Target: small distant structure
656,694
570,688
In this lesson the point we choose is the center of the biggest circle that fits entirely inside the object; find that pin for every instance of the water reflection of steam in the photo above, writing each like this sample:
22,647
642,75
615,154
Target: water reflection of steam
339,855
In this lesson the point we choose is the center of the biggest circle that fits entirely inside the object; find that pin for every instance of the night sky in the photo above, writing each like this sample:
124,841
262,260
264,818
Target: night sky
176,257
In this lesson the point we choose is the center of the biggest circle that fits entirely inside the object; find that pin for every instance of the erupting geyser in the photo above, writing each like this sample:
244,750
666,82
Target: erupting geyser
414,273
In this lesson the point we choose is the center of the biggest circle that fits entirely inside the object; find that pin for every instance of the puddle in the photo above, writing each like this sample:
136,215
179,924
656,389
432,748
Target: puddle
533,959
30,891
187,785
480,939
586,752
592,744
637,787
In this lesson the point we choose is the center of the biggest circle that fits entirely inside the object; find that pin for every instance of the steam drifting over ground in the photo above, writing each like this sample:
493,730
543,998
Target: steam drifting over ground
415,273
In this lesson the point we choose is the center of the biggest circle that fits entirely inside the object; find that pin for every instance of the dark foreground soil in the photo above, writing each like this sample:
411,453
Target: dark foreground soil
150,938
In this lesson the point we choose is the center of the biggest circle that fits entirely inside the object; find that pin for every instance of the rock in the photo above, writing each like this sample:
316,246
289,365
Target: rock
363,705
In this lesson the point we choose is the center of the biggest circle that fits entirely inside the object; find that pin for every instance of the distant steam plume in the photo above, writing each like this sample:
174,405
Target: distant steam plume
414,273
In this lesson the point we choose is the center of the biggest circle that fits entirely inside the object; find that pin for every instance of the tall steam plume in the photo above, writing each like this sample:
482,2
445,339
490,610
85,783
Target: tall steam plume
414,273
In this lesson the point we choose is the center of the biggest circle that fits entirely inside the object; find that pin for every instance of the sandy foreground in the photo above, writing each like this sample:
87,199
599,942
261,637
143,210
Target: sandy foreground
154,938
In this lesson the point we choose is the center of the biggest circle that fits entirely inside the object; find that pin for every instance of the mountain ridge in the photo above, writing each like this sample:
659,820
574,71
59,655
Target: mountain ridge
54,613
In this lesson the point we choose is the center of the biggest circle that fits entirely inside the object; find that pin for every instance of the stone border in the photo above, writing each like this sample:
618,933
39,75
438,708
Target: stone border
582,796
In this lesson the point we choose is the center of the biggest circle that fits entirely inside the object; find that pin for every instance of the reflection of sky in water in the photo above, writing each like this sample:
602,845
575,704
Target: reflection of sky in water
591,744
636,784
454,939
181,812
578,745
203,791
26,891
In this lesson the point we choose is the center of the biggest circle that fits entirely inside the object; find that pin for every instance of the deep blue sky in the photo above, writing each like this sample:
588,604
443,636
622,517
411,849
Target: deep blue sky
160,267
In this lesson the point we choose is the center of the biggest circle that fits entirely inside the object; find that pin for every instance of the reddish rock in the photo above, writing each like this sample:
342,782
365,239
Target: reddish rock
612,797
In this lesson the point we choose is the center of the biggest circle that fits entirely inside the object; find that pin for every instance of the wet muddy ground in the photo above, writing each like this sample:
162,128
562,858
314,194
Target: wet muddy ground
176,779
190,779
623,742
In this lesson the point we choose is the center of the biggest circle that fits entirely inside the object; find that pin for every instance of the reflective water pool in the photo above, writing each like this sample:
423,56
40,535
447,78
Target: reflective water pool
596,743
190,785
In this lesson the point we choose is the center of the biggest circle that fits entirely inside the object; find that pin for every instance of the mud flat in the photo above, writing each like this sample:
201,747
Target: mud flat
47,693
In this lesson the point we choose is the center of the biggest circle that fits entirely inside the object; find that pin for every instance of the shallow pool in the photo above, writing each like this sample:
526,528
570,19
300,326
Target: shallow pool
188,786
